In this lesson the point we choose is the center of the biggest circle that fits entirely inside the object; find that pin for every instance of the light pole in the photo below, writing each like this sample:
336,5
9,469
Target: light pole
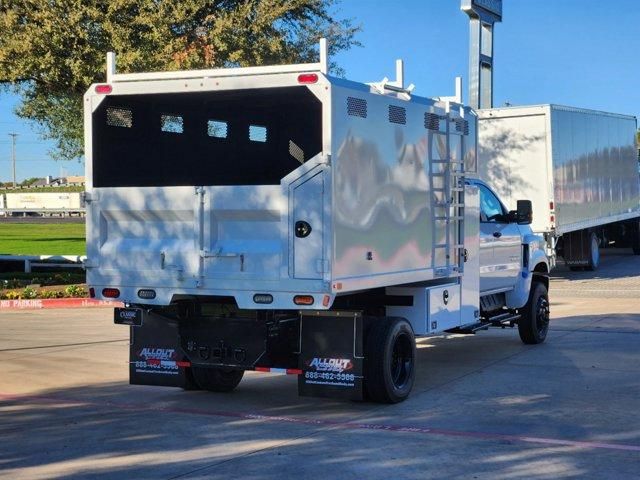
13,155
483,14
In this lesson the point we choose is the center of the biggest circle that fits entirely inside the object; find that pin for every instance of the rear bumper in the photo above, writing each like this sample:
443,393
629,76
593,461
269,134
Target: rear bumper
245,299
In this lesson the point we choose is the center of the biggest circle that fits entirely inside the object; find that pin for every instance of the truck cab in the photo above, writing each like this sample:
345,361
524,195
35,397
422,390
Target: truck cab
512,257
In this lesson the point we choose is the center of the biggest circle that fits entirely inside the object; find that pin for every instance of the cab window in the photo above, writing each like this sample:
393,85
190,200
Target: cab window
491,209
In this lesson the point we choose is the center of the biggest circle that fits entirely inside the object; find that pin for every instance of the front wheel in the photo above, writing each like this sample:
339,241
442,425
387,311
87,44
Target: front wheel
533,325
217,379
389,366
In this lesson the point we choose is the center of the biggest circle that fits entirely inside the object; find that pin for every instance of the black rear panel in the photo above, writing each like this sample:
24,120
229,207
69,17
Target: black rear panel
240,137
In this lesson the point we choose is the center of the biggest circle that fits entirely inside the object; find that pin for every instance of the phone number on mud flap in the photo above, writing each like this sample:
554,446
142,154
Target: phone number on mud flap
339,377
154,366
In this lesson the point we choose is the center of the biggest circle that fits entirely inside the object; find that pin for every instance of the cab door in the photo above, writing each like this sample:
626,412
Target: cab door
500,244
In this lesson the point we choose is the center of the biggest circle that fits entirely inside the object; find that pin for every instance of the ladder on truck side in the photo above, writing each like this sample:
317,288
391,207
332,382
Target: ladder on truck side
447,202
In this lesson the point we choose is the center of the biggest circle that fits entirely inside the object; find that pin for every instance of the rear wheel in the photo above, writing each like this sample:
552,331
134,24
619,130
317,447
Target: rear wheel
390,357
217,379
533,325
594,252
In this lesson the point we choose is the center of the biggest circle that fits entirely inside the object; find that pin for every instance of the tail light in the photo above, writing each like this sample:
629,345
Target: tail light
306,78
104,89
110,292
263,298
551,205
147,294
303,300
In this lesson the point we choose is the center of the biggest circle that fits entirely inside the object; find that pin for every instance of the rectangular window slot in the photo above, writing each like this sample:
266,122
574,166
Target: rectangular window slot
171,123
217,128
397,114
257,133
119,117
357,107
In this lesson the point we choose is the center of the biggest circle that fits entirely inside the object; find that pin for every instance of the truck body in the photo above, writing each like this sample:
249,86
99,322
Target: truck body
280,218
579,167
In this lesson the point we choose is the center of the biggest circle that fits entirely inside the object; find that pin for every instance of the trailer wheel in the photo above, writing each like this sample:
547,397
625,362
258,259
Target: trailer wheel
390,356
635,234
594,252
533,325
217,379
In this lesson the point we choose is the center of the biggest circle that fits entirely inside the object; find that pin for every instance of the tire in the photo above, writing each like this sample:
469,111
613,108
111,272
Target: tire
217,379
635,242
594,253
533,325
390,358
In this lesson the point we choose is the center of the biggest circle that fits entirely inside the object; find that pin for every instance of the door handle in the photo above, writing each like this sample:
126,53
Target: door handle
497,234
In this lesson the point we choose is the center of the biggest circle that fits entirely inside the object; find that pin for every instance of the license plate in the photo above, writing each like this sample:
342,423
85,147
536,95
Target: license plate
128,316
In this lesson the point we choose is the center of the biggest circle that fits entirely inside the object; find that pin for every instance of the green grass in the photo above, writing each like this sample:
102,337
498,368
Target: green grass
42,239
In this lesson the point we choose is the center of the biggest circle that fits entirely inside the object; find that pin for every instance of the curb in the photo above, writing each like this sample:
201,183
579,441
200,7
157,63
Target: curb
40,303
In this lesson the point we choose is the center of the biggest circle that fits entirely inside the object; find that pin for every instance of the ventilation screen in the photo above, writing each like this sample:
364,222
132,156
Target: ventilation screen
171,123
397,114
257,133
217,128
296,152
356,107
119,117
462,126
431,121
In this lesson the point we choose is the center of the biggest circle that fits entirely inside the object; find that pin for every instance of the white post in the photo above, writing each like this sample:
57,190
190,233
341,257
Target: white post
399,73
458,90
324,56
111,65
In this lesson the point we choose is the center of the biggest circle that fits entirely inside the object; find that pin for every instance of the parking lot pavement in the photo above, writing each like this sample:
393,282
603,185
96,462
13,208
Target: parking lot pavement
483,406
617,276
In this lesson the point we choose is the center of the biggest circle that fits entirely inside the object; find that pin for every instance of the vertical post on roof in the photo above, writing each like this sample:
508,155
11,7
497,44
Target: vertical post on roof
111,66
399,73
324,56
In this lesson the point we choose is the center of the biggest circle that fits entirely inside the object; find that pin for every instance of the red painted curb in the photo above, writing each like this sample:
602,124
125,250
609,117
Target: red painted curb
38,303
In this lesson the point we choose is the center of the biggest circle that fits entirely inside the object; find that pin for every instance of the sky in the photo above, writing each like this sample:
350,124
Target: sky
582,53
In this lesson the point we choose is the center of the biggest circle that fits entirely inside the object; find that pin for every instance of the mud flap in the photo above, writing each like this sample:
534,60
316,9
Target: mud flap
155,354
331,357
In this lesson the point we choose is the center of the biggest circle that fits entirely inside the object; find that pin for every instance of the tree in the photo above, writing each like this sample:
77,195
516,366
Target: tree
51,51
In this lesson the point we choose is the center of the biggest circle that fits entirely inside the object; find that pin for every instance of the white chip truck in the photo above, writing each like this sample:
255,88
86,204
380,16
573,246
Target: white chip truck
281,219
579,168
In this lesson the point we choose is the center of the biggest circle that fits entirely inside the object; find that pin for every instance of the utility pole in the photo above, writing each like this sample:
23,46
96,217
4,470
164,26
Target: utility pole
13,155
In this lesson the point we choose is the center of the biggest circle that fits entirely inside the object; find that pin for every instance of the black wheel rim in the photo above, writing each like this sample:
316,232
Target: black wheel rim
401,361
542,316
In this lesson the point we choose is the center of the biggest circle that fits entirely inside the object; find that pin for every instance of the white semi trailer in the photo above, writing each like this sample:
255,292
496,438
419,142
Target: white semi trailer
281,219
45,203
579,168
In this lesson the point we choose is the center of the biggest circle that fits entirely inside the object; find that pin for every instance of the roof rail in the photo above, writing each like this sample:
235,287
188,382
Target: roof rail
321,66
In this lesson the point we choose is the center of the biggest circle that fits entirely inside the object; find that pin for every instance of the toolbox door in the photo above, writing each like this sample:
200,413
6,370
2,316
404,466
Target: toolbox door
307,224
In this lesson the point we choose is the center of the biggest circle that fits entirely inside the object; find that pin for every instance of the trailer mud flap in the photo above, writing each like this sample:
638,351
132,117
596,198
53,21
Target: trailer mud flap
156,357
331,357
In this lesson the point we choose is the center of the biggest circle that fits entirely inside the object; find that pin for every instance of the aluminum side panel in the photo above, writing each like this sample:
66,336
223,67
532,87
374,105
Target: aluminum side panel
595,168
382,191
